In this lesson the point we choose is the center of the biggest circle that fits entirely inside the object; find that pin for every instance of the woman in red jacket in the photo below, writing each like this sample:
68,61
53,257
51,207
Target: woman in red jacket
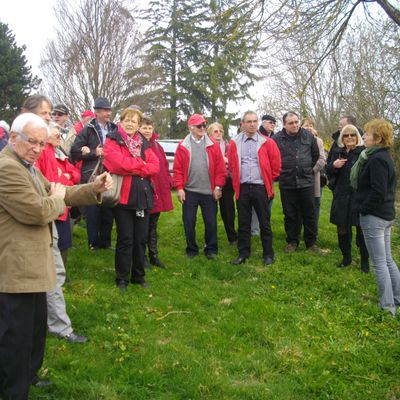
127,153
162,190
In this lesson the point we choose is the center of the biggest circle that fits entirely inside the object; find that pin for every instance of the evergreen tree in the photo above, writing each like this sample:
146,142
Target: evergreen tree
16,80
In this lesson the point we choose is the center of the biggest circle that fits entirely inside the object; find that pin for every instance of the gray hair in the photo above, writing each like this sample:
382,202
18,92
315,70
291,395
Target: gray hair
249,113
24,119
350,129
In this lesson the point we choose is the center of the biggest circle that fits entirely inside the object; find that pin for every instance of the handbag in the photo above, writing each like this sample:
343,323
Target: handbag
110,197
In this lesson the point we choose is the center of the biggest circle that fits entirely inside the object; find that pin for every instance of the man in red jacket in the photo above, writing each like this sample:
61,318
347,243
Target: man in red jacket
255,162
199,174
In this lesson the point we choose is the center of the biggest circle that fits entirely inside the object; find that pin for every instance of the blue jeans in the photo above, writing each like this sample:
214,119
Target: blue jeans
377,238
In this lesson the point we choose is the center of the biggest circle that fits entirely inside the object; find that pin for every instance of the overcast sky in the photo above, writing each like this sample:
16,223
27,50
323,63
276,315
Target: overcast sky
32,24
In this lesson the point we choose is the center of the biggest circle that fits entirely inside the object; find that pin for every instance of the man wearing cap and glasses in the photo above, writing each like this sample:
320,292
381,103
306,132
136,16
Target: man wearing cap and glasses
88,148
268,123
199,174
60,116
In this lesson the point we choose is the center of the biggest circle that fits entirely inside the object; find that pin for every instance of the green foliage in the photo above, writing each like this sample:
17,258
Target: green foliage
204,53
16,80
301,329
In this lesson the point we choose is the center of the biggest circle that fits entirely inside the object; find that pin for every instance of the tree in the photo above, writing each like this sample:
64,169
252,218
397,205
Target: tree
204,55
16,79
95,46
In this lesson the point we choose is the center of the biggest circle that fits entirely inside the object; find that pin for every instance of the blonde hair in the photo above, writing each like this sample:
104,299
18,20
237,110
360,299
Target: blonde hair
214,125
350,129
128,112
380,129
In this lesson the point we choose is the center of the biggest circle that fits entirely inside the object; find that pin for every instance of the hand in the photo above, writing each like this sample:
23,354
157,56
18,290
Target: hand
102,183
85,150
57,190
338,163
217,193
181,196
99,150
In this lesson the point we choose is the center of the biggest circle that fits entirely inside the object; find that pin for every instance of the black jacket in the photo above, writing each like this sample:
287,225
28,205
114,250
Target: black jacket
377,186
299,155
90,137
343,210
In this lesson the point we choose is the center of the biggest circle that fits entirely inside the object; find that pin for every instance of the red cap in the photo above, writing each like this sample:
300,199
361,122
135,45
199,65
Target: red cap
196,119
87,113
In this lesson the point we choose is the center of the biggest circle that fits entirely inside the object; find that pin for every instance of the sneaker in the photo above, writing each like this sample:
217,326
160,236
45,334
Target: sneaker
74,338
291,247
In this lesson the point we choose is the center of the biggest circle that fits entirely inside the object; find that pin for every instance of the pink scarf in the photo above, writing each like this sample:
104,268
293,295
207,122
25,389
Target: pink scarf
133,143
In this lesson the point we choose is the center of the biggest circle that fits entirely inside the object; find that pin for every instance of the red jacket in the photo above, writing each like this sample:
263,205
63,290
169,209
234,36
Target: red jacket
162,181
216,164
53,169
118,160
269,160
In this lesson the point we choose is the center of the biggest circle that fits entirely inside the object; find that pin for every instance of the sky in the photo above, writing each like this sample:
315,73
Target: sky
31,22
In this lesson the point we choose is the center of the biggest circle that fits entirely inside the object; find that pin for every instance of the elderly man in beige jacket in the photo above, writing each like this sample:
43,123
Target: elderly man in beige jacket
28,205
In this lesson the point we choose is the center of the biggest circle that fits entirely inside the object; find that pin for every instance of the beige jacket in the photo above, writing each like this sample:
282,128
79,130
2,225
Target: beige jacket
26,213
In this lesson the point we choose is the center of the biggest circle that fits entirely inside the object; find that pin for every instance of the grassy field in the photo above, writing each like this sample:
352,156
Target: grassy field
300,329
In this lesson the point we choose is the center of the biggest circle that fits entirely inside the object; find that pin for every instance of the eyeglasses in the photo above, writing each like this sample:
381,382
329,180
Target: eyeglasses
57,114
347,135
32,141
201,126
217,131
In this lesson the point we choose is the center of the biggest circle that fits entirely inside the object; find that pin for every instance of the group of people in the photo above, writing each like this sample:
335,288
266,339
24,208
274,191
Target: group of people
49,165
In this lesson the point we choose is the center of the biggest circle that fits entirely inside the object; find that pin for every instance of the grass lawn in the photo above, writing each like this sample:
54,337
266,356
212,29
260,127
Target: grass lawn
300,329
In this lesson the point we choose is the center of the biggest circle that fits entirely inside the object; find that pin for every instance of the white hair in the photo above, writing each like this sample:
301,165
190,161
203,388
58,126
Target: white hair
350,129
4,125
24,119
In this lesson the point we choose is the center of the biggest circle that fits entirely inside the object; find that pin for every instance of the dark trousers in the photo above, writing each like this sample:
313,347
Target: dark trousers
131,245
23,325
227,210
208,208
99,222
299,209
345,234
254,196
152,239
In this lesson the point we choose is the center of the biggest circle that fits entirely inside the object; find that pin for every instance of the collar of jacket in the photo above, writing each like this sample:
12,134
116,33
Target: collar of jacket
261,139
186,141
114,135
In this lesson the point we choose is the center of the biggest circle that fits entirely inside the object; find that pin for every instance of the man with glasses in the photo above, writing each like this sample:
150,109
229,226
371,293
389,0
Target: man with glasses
28,205
199,174
268,123
60,116
255,162
299,152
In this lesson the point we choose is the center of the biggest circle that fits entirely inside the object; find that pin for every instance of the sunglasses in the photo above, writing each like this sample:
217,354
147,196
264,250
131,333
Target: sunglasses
201,126
349,135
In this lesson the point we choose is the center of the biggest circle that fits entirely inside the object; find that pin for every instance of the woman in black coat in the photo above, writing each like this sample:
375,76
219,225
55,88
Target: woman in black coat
343,211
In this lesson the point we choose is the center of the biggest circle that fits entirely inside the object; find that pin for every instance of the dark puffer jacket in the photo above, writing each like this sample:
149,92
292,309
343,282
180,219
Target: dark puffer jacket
90,137
299,155
343,210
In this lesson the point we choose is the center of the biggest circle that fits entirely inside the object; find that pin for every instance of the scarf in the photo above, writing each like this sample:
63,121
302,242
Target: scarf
359,164
134,143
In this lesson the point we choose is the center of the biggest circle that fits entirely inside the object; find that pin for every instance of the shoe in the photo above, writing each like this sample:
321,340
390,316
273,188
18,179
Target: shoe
74,338
268,260
144,285
37,382
156,262
291,247
211,256
345,263
93,247
239,260
122,286
315,249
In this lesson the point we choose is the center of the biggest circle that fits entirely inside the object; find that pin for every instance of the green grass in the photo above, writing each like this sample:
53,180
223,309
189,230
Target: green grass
301,329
